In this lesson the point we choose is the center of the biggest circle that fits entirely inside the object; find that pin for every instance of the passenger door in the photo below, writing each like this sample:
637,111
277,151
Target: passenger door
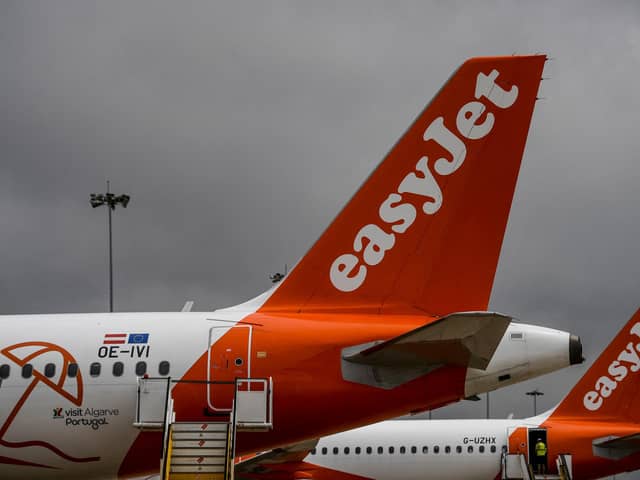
229,357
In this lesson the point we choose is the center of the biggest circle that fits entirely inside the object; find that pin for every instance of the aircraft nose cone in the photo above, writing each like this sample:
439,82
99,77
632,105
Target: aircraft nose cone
575,350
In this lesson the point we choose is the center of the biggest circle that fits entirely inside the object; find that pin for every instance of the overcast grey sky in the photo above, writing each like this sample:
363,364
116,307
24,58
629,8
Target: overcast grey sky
240,128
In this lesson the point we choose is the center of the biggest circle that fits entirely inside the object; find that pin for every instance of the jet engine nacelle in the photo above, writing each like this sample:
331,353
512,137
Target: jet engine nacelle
525,351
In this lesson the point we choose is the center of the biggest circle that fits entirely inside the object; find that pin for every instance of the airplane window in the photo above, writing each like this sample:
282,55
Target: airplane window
425,449
163,368
313,452
335,450
458,449
324,450
414,449
380,450
470,449
4,371
493,449
369,450
118,368
94,369
447,449
358,450
72,370
436,449
49,370
403,450
481,448
141,368
27,370
391,449
346,450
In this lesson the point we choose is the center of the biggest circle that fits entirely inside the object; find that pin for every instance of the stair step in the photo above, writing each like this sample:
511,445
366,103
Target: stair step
197,469
198,452
200,427
199,436
197,476
196,461
199,443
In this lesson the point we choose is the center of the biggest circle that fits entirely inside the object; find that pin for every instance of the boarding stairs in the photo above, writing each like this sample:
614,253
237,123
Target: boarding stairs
203,450
516,467
198,450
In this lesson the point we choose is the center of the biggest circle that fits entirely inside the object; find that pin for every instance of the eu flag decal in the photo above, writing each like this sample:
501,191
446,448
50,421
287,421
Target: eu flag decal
138,338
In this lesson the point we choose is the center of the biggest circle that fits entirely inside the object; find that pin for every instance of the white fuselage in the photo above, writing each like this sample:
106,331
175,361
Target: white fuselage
418,449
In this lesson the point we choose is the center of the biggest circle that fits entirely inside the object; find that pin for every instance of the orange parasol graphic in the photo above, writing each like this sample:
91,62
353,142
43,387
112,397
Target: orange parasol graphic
26,352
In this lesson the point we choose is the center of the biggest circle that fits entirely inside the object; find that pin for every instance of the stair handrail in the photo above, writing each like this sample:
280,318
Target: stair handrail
563,467
267,389
526,467
270,395
166,429
143,385
503,462
137,419
229,466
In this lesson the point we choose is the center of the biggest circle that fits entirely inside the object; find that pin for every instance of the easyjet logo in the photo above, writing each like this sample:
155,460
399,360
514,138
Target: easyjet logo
628,360
397,213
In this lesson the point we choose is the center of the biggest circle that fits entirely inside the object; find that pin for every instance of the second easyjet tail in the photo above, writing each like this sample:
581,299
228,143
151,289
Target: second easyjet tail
424,231
610,388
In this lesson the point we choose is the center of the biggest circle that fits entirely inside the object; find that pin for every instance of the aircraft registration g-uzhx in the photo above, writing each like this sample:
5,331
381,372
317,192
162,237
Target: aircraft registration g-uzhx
385,315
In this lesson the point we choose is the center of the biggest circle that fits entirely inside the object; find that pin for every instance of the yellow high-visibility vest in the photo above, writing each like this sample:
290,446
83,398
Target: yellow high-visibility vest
541,449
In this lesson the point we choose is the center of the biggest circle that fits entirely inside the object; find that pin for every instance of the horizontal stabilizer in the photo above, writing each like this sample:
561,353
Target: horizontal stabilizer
466,339
616,448
288,463
291,453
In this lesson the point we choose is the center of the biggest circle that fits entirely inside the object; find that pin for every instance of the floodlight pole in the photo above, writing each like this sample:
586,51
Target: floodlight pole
535,394
488,405
110,253
110,200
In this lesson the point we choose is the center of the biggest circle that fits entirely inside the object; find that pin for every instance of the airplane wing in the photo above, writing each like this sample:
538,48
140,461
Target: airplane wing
287,463
465,339
616,448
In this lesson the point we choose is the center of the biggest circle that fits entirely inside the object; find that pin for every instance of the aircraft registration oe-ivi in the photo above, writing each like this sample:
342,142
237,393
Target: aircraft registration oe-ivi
594,432
385,315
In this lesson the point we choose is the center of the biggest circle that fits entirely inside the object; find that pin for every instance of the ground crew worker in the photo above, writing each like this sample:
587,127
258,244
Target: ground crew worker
541,456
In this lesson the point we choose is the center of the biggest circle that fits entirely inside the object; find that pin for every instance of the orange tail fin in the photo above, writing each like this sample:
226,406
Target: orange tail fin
425,229
610,388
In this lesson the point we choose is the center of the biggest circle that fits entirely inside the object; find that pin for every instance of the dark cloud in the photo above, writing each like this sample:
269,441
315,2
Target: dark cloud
240,129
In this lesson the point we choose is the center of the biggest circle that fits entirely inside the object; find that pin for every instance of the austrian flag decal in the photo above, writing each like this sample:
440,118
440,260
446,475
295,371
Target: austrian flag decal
122,338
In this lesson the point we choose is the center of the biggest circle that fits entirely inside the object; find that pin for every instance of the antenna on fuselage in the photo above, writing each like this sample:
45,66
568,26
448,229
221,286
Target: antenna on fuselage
188,305
277,277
